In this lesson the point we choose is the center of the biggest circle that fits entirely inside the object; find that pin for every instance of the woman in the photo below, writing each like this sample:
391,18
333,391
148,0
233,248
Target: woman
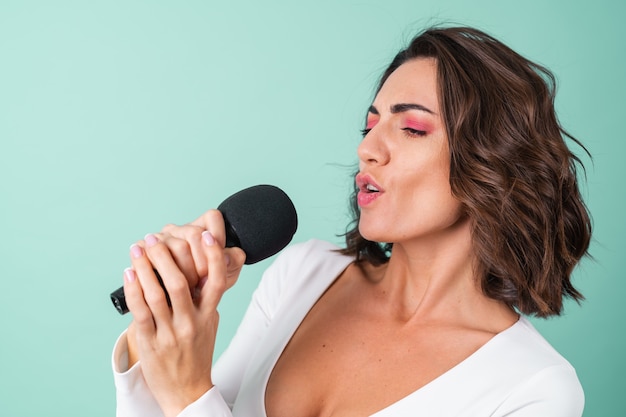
465,176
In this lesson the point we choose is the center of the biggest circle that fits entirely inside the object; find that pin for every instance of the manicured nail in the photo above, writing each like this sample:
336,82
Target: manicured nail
129,275
150,239
208,238
136,251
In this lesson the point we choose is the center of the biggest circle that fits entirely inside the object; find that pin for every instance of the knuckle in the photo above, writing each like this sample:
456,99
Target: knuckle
155,298
158,250
185,231
167,343
212,213
143,318
177,288
215,216
177,245
168,228
212,217
194,232
186,330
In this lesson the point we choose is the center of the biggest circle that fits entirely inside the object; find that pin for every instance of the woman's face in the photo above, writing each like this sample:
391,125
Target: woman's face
404,160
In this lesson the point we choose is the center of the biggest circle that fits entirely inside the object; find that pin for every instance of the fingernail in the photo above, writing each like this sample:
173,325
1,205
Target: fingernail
227,257
208,238
150,239
136,251
129,275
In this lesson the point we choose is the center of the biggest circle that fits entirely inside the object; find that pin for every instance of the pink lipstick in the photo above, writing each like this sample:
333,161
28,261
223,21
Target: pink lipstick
368,190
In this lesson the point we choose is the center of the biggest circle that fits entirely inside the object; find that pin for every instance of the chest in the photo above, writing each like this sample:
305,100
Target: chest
344,361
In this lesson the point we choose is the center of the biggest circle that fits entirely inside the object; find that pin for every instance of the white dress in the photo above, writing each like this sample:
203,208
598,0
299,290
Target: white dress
516,373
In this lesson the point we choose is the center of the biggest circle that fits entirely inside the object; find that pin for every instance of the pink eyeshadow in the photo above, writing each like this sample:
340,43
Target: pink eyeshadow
413,124
371,123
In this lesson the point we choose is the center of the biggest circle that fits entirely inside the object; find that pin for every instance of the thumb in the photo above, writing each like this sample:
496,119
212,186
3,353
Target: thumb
235,258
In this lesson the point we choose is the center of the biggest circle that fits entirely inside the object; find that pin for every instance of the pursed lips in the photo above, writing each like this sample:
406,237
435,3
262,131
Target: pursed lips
369,190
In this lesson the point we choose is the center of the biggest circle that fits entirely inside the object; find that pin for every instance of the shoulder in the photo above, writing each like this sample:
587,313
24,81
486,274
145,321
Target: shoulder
553,391
309,256
301,269
517,373
543,381
530,348
310,247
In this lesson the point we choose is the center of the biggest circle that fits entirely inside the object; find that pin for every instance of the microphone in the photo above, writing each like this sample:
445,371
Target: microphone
261,220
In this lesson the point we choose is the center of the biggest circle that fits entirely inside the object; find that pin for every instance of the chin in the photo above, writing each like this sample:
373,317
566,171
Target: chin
374,235
364,233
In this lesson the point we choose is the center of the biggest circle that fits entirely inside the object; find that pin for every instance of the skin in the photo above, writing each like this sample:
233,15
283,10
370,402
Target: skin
175,345
378,333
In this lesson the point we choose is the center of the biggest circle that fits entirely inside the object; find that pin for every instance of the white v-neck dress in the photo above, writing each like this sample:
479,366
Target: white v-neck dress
516,373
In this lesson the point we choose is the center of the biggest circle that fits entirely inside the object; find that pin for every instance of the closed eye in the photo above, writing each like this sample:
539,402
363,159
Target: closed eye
409,131
414,132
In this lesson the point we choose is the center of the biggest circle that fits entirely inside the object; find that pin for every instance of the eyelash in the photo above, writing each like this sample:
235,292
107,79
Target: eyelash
408,131
414,132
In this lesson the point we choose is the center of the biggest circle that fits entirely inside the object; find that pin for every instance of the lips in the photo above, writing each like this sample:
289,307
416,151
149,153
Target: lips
369,190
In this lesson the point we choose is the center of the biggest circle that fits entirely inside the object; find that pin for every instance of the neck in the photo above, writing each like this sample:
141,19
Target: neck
434,278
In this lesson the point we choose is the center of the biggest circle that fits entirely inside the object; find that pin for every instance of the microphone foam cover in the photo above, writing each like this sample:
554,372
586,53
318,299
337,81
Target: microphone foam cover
261,220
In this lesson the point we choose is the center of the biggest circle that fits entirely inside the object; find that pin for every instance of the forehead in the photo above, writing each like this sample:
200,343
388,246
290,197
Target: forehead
415,81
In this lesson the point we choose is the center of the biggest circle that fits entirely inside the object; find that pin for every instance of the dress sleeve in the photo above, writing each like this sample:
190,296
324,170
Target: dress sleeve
132,393
554,392
134,397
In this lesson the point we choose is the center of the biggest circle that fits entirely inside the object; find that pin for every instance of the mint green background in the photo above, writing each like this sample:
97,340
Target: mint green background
117,117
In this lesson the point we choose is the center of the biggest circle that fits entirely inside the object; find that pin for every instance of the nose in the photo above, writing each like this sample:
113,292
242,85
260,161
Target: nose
373,150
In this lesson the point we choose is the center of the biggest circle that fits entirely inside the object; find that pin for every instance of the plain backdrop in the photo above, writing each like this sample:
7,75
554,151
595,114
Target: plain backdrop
117,117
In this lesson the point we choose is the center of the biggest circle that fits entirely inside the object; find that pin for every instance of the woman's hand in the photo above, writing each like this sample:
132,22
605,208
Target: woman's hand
175,344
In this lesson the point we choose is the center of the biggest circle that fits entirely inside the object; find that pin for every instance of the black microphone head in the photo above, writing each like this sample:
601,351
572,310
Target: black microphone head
261,220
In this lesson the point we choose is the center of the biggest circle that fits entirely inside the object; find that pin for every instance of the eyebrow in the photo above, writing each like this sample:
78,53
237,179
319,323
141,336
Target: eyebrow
402,107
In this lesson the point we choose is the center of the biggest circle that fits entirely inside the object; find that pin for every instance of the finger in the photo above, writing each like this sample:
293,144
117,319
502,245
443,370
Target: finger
142,315
181,253
192,235
213,221
153,292
235,259
215,285
175,282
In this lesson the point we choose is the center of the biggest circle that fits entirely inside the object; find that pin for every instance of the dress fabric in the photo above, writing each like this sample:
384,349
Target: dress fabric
516,373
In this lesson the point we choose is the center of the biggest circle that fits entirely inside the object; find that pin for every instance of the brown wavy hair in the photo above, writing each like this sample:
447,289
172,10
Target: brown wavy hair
509,166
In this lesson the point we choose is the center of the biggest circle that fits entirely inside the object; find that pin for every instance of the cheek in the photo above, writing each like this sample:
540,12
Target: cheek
426,171
427,185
